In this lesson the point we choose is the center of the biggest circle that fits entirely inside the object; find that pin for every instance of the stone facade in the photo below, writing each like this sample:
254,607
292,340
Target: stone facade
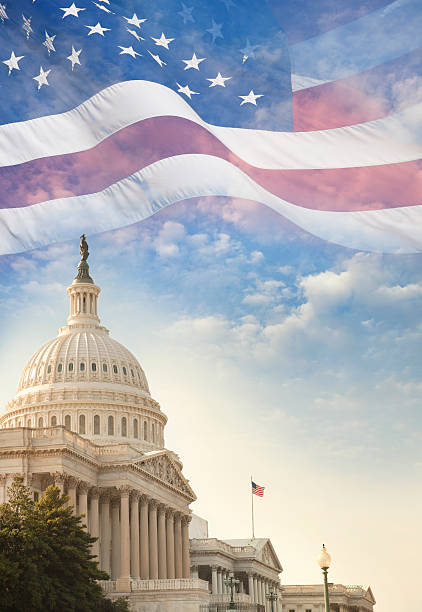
310,598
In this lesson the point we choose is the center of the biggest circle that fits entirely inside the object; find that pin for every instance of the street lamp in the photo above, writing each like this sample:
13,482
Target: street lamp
231,582
324,561
272,597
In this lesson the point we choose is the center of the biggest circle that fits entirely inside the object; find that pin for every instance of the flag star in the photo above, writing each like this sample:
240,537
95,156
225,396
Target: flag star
74,57
134,20
12,62
128,51
135,34
27,25
215,30
157,59
186,13
71,10
42,78
162,41
49,42
219,80
185,90
248,51
194,62
251,98
3,14
103,8
97,29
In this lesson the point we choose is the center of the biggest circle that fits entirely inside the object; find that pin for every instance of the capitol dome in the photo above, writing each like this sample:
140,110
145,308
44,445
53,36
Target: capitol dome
86,381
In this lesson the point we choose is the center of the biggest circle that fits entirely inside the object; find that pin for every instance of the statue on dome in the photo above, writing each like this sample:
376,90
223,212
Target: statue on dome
84,248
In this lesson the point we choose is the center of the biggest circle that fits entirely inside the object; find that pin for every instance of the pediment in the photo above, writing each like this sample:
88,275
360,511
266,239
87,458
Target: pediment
267,555
164,469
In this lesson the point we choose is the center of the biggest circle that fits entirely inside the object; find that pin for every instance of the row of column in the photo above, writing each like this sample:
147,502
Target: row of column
258,588
218,577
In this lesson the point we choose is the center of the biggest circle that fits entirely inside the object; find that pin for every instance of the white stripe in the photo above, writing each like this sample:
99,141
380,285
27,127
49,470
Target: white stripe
392,139
181,177
376,38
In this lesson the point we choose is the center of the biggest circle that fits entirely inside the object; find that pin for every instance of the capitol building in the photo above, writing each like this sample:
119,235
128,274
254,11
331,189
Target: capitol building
83,418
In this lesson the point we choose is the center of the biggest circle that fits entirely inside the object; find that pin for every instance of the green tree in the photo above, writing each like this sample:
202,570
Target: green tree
45,557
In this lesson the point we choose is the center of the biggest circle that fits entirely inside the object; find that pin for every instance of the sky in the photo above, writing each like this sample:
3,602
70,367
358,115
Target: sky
273,353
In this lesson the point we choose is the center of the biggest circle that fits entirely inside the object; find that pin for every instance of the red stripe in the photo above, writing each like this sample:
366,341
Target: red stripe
134,147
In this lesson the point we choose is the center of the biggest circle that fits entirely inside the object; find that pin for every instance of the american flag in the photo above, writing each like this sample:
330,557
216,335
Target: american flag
112,110
257,490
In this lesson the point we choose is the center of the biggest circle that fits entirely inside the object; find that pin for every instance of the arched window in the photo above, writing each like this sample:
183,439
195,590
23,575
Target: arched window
40,422
135,428
71,366
104,367
145,430
60,367
124,370
110,426
81,423
67,422
93,366
53,421
124,427
96,425
82,366
115,370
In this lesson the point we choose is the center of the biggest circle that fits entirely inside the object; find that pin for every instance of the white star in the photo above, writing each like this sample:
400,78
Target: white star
162,41
103,8
3,14
12,62
215,30
128,51
194,62
157,59
134,20
97,29
135,34
49,42
186,13
71,10
219,80
251,98
248,51
42,78
27,25
185,90
74,57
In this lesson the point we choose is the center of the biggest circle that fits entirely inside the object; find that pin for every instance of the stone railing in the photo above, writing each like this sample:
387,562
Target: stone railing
198,544
225,598
168,584
108,586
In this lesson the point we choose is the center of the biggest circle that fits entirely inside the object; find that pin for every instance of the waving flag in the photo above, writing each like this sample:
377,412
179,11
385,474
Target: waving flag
111,111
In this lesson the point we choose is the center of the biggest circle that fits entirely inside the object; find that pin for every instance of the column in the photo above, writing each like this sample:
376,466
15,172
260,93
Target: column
123,583
220,581
153,540
115,538
83,503
71,491
195,572
178,545
59,479
170,543
255,589
162,548
144,555
185,547
105,544
134,534
250,587
94,523
214,585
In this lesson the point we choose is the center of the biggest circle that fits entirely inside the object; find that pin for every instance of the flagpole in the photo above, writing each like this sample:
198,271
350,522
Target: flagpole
253,526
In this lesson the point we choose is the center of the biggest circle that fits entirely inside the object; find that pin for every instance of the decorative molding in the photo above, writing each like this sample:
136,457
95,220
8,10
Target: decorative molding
165,470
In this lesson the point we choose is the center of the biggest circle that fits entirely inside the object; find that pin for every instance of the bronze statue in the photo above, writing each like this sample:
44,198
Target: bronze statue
84,248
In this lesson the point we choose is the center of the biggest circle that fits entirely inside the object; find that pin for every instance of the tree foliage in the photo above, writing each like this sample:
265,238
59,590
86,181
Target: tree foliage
45,557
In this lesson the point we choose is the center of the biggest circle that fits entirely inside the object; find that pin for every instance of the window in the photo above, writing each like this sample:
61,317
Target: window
28,423
93,366
60,367
115,370
145,430
153,432
124,427
40,422
308,610
49,369
124,370
19,424
71,366
96,425
67,422
135,428
132,373
110,426
53,421
82,366
104,367
81,423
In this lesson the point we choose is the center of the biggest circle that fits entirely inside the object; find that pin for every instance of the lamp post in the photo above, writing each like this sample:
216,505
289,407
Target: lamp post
272,597
231,582
324,561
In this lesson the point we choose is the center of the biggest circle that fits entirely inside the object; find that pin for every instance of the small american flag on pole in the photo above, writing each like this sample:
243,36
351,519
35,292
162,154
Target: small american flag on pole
257,490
